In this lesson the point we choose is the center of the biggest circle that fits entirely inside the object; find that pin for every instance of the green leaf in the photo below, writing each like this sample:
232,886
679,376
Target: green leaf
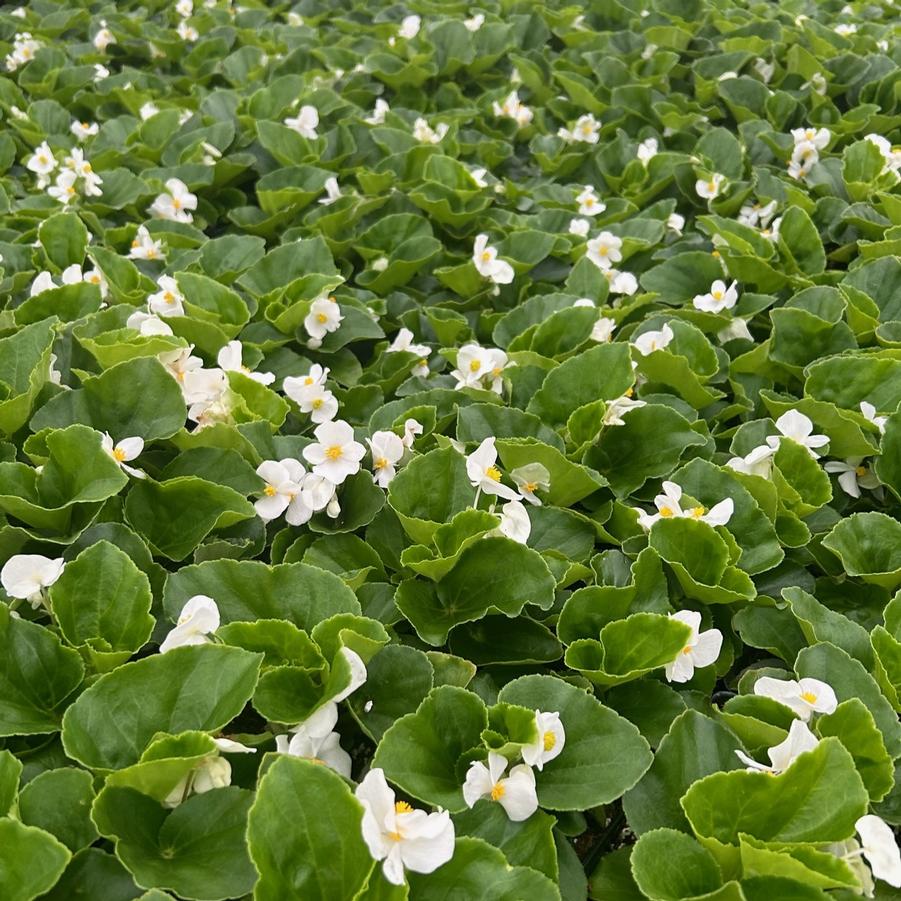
250,590
817,799
137,397
64,239
695,746
669,865
604,754
304,834
103,600
421,753
479,870
175,516
37,676
59,802
197,850
32,861
869,546
200,687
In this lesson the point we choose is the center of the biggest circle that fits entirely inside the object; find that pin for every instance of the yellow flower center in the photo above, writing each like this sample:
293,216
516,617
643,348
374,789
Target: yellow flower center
860,471
697,512
70,190
666,512
486,256
176,203
493,473
715,253
42,159
589,201
321,317
395,836
269,491
602,250
380,463
118,454
402,807
550,741
498,792
530,487
717,295
334,452
85,125
169,297
151,253
316,403
711,186
474,366
686,649
809,697
308,381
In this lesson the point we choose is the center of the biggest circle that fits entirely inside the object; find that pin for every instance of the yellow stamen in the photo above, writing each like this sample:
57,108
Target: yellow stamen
308,381
402,807
321,317
809,697
334,452
686,649
380,463
697,512
118,454
711,186
269,491
666,512
530,487
395,836
486,256
498,792
717,295
176,203
316,403
859,471
550,740
474,366
493,473
715,253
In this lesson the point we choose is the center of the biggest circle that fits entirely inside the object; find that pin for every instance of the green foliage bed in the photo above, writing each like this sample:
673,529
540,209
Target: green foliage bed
450,452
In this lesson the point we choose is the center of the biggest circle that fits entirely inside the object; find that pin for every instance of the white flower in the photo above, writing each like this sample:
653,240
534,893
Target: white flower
754,214
148,110
198,618
675,223
332,192
845,30
647,150
168,300
175,203
25,576
586,130
282,494
412,428
620,282
324,317
41,162
483,472
403,341
143,247
709,188
336,455
409,27
891,155
515,523
880,849
764,69
759,462
869,413
184,8
817,83
100,72
378,114
805,697
82,168
387,449
819,137
64,189
320,403
515,793
475,22
400,836
719,298
485,259
619,407
798,427
531,478
579,227
147,324
589,204
604,250
737,328
305,122
229,360
803,158
315,739
853,475
512,108
424,133
186,32
24,49
549,743
84,130
647,342
478,176
104,37
669,506
701,649
782,756
124,451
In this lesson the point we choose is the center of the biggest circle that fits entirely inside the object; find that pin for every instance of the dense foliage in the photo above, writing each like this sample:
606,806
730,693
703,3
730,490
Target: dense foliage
450,452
